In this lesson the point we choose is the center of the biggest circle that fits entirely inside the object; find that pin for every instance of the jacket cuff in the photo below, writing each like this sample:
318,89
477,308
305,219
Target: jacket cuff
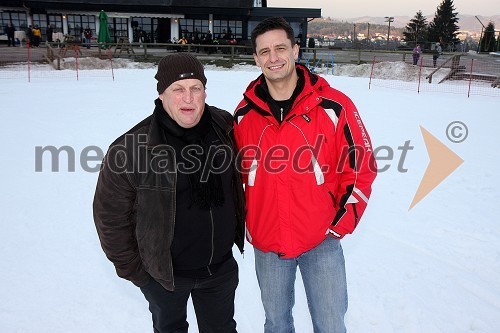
336,232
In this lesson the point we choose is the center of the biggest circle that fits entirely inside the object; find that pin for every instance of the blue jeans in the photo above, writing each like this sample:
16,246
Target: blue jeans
324,278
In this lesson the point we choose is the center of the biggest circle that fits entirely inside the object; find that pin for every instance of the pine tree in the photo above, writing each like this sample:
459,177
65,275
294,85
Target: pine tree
488,40
444,26
416,30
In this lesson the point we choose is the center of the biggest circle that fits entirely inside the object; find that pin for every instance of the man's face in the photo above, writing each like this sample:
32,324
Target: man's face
184,101
276,55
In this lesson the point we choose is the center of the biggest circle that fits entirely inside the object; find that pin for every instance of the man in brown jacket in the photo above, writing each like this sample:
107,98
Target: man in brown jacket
169,204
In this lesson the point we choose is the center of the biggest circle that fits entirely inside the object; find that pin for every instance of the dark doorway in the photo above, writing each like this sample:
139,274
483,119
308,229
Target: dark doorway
163,30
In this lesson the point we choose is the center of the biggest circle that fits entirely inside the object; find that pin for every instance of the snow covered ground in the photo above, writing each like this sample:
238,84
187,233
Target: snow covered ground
433,269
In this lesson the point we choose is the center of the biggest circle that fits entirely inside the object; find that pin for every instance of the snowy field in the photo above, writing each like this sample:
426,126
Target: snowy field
432,269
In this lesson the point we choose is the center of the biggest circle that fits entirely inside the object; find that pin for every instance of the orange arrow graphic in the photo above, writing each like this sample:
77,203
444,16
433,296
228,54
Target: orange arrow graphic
442,163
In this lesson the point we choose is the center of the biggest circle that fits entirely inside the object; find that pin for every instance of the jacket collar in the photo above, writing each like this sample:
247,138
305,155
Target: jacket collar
254,93
156,136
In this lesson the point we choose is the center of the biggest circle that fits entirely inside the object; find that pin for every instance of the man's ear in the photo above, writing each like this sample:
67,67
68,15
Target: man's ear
296,51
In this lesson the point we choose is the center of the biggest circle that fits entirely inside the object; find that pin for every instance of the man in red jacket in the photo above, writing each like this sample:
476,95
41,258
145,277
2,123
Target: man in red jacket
308,166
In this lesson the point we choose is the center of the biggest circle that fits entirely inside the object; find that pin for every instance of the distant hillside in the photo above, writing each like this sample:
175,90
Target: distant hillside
321,27
470,23
465,22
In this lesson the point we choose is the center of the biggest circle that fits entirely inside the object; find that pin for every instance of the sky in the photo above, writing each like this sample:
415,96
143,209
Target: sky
358,8
433,269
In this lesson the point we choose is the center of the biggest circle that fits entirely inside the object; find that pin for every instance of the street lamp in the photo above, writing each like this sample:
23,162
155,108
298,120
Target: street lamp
389,19
480,38
368,36
354,36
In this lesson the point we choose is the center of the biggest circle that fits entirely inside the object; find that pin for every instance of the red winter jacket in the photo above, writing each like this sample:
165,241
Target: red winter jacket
308,177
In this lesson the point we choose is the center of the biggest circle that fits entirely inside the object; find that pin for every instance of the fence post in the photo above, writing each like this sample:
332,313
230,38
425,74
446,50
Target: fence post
111,61
420,74
470,76
371,73
29,67
76,59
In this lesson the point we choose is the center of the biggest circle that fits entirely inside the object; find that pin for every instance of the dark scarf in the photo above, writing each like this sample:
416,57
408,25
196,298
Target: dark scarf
204,194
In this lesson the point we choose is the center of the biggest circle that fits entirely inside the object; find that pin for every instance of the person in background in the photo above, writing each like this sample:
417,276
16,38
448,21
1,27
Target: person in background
209,41
226,35
416,54
50,31
10,31
437,53
29,35
197,40
87,33
169,204
308,166
37,36
183,40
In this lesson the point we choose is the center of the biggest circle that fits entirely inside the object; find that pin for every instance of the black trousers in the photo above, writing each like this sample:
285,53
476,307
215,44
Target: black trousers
434,60
11,40
213,301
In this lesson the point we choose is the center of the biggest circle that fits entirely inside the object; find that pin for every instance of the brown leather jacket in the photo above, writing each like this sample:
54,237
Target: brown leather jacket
134,203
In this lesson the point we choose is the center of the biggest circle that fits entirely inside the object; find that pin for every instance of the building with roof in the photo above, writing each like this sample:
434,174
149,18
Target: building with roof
153,21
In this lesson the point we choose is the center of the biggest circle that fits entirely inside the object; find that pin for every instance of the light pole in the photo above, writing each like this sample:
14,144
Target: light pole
368,36
389,19
480,38
354,36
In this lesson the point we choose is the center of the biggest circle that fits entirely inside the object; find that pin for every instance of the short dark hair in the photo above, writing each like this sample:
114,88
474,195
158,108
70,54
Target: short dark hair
268,24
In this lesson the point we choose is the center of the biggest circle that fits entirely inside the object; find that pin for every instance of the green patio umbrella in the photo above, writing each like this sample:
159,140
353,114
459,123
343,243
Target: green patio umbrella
103,36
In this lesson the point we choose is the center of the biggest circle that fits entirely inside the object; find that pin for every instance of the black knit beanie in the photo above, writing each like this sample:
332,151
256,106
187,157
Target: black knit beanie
178,66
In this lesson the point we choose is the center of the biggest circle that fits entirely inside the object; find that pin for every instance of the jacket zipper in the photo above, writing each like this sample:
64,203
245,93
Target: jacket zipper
333,199
281,114
172,229
211,254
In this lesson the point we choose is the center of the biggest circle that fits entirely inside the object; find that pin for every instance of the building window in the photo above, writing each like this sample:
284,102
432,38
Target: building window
234,28
18,20
44,21
77,23
143,29
55,20
188,27
118,28
40,20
